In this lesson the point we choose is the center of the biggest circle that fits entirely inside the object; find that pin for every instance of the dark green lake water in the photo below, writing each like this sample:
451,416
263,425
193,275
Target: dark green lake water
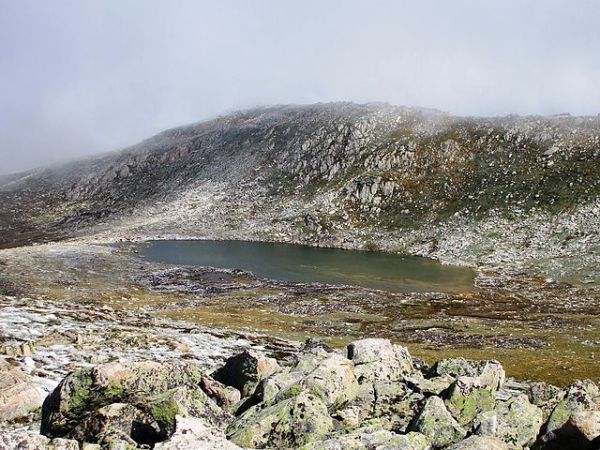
299,263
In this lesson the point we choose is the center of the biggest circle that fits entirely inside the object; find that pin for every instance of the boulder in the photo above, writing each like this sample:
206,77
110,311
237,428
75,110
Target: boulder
329,376
518,422
18,394
429,386
395,405
489,373
140,400
467,398
480,443
296,421
582,430
245,371
377,359
545,396
580,396
587,423
184,401
435,422
333,381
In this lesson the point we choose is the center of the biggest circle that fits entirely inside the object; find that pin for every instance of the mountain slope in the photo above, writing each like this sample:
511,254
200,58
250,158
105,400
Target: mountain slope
520,191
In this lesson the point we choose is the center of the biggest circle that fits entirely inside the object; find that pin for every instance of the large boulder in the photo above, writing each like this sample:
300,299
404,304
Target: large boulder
395,405
296,421
328,376
245,370
570,416
18,394
435,422
145,399
377,359
514,421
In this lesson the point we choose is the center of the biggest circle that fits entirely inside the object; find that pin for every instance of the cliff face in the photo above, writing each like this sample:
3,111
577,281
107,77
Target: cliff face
521,191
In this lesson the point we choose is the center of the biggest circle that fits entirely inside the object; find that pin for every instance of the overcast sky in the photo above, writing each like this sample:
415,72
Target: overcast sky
83,76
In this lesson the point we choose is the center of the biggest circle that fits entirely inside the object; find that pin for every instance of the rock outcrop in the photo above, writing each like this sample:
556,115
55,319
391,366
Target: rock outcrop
135,403
373,396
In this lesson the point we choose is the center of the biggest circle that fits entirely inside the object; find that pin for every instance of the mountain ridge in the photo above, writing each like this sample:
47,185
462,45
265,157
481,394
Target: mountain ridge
336,174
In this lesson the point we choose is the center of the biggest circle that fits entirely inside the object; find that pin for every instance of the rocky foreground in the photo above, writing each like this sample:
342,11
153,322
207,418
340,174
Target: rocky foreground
373,396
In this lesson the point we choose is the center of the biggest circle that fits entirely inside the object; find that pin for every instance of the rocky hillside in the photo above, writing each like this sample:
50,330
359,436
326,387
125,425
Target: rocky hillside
515,191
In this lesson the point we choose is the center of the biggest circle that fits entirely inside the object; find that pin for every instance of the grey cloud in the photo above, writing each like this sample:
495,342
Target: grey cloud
80,77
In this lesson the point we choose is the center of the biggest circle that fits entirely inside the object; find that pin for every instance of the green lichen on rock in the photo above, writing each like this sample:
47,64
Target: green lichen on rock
435,422
160,389
519,422
466,400
580,395
290,423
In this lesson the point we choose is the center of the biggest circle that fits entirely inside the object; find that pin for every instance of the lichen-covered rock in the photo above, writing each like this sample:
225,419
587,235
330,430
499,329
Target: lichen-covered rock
582,430
372,438
581,395
184,401
18,395
545,396
435,422
395,405
480,443
245,371
160,391
333,381
329,376
518,422
467,399
488,372
118,422
377,359
289,423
